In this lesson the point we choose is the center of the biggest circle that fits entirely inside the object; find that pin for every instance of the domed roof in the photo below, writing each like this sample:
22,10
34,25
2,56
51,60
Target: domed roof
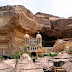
38,35
26,36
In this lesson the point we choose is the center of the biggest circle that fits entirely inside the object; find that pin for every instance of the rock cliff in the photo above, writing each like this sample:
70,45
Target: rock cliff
16,20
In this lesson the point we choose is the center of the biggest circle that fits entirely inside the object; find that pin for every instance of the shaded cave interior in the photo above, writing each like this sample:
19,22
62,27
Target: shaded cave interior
49,41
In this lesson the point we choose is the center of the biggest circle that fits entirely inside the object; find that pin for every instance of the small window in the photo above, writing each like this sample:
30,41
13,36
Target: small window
33,48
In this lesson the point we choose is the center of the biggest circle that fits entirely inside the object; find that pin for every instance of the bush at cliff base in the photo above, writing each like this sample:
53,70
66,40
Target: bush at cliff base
52,55
0,57
18,54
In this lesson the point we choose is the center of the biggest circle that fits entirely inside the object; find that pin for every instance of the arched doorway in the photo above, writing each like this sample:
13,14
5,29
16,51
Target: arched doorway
33,54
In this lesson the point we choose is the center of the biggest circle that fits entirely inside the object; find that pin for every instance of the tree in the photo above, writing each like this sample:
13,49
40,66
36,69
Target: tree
17,54
29,54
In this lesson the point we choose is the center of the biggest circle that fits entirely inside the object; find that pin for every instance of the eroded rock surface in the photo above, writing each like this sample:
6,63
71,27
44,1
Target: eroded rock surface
14,22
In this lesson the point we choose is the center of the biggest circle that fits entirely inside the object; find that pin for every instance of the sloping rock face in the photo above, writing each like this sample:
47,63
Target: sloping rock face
39,14
16,20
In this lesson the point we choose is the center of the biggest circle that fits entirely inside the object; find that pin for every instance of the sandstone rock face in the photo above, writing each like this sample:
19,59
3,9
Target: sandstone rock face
59,45
16,20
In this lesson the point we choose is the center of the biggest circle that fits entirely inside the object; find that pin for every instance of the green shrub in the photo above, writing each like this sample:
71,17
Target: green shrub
71,50
40,55
52,55
29,54
17,54
0,57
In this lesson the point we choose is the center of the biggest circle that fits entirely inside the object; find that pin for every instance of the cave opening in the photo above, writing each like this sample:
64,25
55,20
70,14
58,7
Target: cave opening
48,41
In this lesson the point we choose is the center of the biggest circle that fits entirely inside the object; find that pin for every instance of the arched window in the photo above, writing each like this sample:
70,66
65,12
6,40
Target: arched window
39,40
35,48
26,40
